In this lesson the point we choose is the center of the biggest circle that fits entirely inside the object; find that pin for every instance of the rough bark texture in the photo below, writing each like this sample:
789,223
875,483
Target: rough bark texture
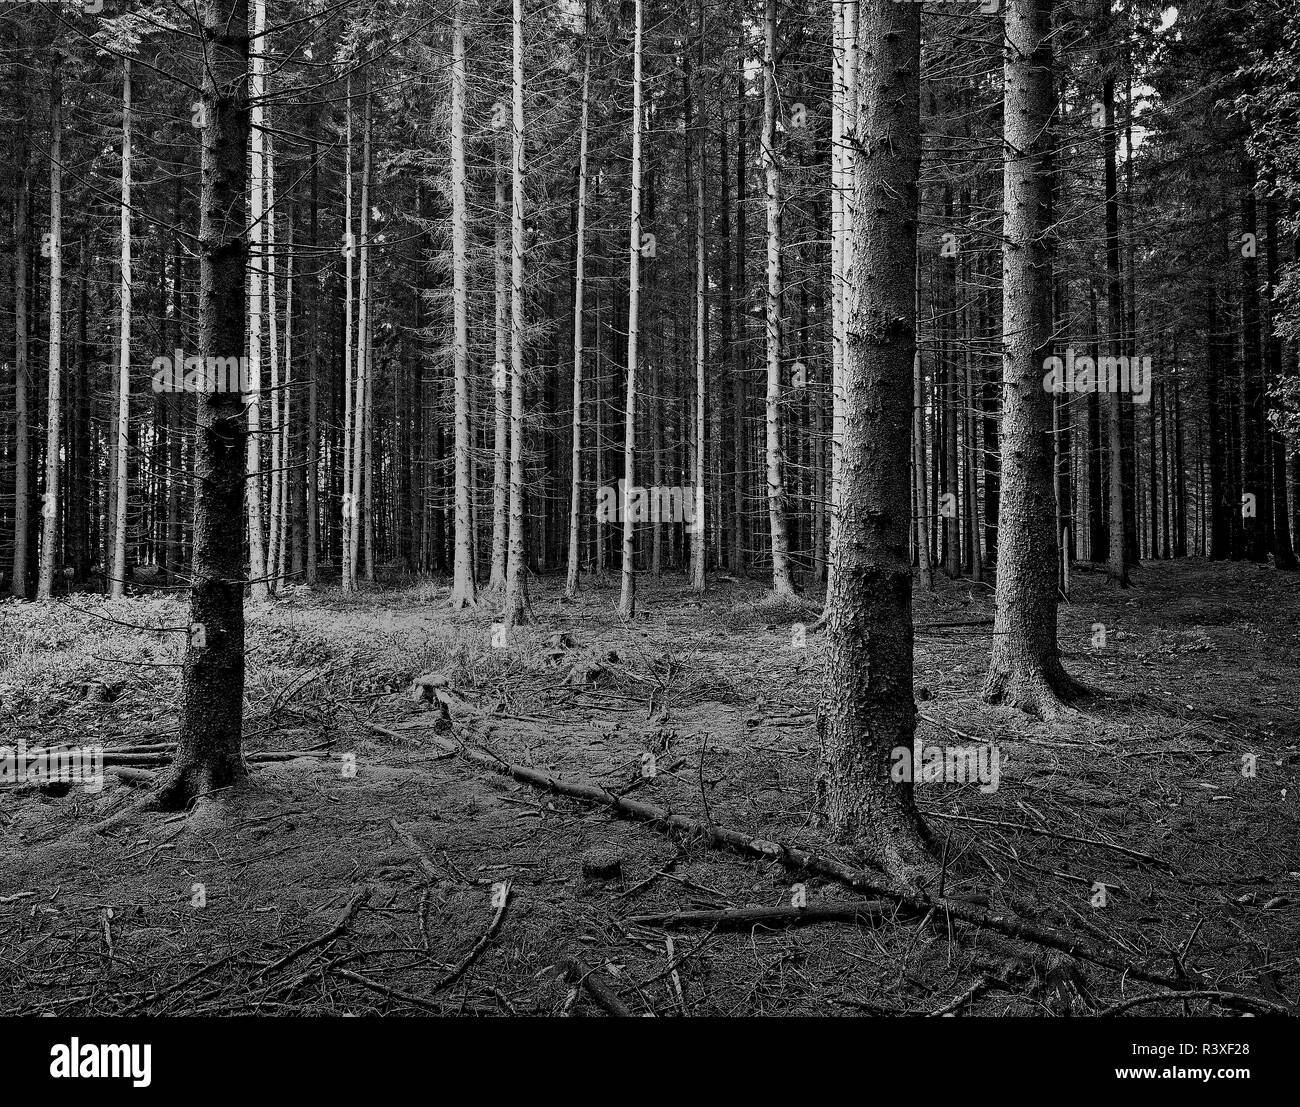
50,500
867,708
517,607
212,680
117,573
579,284
627,593
22,448
1024,668
462,587
775,458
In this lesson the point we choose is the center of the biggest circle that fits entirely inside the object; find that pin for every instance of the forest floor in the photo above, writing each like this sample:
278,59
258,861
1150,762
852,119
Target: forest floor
390,854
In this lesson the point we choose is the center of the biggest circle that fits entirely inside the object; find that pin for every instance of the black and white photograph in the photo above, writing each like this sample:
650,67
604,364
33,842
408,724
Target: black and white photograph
766,511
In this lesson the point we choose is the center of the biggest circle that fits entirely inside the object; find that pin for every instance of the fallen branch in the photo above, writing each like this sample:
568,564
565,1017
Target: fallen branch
869,913
1136,855
479,946
916,902
340,925
385,990
414,847
1229,999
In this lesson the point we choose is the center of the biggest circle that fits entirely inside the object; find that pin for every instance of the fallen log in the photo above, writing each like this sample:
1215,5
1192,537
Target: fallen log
910,900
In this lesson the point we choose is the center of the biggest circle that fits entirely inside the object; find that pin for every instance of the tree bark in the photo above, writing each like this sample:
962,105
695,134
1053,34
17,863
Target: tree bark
1025,669
517,607
627,593
579,279
462,585
50,499
867,709
775,458
212,680
117,572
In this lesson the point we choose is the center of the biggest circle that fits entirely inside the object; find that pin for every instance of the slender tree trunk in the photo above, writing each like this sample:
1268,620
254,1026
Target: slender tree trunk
275,484
462,585
696,529
208,755
1256,447
359,460
1284,556
867,711
18,585
627,595
350,512
117,573
517,607
260,587
776,497
1117,553
579,276
311,287
500,490
50,499
1025,669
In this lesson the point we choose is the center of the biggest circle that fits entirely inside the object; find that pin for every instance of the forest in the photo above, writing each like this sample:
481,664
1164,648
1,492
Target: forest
650,507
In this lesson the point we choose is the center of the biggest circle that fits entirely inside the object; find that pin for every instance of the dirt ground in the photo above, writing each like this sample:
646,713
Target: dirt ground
1143,792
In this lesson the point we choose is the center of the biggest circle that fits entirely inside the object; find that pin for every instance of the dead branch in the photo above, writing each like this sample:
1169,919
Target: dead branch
870,913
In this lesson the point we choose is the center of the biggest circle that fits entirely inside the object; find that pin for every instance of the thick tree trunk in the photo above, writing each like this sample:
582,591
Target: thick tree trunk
867,711
1025,669
208,753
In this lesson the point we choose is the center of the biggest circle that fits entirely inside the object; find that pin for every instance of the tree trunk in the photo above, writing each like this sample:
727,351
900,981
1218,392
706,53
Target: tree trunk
579,276
696,530
867,710
776,505
358,430
208,753
50,499
1025,669
117,573
1117,529
259,586
18,585
462,585
627,594
500,490
517,608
